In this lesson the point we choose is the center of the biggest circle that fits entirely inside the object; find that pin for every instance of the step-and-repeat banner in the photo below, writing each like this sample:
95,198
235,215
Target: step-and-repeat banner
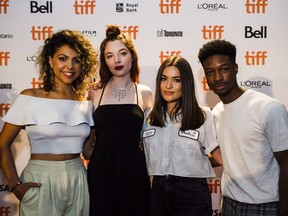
159,28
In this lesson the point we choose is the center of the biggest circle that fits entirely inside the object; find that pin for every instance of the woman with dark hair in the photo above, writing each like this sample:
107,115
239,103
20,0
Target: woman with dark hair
117,174
177,140
57,118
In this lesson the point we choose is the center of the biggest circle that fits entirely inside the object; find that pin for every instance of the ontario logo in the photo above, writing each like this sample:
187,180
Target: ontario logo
167,33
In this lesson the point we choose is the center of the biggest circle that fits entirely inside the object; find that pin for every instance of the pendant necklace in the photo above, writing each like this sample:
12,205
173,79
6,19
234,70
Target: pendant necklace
119,93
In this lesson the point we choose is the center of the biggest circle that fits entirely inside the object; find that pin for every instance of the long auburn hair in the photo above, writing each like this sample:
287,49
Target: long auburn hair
113,32
192,116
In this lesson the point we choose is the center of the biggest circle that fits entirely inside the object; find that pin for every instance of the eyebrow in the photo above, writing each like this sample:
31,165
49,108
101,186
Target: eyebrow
172,76
123,49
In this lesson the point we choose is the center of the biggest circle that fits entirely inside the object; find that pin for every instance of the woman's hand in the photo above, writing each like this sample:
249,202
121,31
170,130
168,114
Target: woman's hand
22,188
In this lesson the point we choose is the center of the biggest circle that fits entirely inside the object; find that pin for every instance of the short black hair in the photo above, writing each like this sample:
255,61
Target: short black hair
217,47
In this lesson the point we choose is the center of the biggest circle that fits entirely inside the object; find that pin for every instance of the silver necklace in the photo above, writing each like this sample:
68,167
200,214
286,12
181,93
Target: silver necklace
119,93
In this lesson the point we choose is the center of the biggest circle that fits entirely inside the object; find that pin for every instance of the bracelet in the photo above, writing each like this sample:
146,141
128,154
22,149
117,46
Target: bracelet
13,188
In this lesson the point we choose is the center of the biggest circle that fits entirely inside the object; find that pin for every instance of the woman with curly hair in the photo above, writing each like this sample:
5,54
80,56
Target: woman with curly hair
58,120
117,176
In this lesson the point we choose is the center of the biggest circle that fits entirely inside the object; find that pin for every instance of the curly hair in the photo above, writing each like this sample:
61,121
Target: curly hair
217,47
75,40
113,32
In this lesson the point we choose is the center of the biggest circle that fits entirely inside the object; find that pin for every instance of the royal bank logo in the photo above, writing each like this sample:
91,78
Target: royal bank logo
89,33
168,33
6,36
212,6
126,7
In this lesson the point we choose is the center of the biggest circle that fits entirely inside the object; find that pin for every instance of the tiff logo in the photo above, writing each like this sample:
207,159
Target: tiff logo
41,33
4,6
84,7
4,57
170,7
256,58
256,6
35,8
214,185
212,32
4,107
36,84
131,31
167,54
205,84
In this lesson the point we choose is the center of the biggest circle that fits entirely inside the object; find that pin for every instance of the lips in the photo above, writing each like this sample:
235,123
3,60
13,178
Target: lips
168,93
68,74
219,86
118,67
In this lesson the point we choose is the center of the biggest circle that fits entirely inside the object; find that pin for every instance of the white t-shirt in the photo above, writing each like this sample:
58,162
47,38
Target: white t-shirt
249,130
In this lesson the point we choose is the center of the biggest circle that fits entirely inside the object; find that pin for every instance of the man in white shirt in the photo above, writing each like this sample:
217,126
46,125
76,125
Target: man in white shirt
252,132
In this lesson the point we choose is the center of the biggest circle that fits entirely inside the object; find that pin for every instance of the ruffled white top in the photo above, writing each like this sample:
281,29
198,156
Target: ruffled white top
53,126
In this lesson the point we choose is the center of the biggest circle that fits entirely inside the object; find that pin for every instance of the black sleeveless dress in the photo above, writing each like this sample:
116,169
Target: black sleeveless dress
117,175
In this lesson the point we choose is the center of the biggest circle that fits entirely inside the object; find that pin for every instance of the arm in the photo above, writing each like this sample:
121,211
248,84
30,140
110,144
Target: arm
89,145
7,164
215,157
282,159
146,94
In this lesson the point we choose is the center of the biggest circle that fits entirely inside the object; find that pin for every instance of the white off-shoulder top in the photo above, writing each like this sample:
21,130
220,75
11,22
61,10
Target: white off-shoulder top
53,126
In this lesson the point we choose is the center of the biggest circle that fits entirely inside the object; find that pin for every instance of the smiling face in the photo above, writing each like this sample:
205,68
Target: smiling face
171,86
66,65
118,58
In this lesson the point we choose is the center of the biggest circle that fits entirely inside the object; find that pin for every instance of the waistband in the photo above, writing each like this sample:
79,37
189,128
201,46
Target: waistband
55,163
173,177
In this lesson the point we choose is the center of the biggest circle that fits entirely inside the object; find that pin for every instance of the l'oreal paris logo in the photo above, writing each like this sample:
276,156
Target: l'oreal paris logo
211,7
255,83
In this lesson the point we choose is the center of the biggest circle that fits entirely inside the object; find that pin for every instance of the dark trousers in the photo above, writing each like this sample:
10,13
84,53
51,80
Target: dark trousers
232,207
180,196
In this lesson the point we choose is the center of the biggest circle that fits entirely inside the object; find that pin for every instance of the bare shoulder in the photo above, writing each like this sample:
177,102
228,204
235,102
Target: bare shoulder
144,90
33,92
146,94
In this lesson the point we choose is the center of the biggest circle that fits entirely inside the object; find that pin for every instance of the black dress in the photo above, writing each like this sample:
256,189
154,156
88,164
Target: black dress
117,175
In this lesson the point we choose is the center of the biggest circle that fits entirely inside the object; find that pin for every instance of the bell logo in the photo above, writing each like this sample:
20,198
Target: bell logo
41,33
170,7
249,33
84,7
35,8
256,58
256,6
36,84
4,107
4,6
212,32
167,54
4,57
131,31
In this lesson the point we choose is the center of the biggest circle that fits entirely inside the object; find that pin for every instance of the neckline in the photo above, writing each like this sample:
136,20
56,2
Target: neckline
110,105
120,103
55,99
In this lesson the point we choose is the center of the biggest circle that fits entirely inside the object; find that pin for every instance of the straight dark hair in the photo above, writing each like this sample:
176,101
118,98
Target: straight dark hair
192,116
